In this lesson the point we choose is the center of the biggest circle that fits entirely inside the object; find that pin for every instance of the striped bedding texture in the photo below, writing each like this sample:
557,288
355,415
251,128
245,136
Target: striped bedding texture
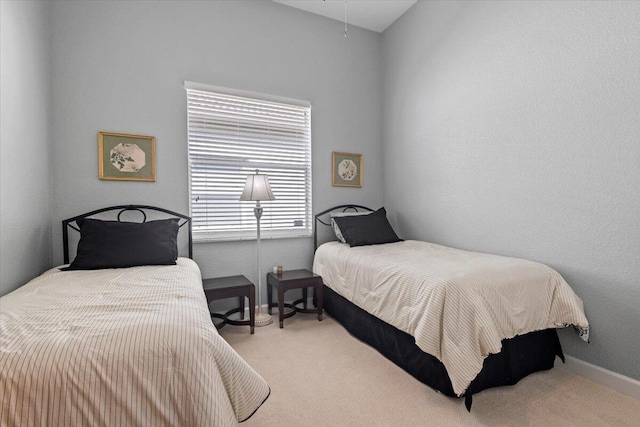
119,347
458,305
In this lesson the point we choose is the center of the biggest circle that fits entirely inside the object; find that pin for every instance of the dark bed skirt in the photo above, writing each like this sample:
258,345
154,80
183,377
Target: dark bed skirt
520,356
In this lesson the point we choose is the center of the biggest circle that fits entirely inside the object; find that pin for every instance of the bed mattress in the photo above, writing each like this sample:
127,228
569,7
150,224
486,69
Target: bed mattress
131,346
458,305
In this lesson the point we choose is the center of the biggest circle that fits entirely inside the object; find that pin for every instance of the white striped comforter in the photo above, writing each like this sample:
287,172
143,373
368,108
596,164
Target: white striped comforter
133,346
458,305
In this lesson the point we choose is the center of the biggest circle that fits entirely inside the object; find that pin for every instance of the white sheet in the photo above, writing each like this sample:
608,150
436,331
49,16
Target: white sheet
131,346
458,305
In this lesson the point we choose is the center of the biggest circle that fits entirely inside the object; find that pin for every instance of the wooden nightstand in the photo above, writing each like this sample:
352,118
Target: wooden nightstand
229,287
294,279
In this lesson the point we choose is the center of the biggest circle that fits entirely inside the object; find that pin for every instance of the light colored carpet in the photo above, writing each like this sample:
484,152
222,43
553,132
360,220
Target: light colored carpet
321,376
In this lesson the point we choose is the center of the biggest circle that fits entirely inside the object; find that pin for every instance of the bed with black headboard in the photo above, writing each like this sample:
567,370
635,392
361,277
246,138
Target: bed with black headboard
122,335
420,304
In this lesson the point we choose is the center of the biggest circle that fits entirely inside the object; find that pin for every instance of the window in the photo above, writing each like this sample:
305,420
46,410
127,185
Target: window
231,134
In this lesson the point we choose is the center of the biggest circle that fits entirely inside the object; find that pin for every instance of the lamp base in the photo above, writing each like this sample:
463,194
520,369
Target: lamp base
263,319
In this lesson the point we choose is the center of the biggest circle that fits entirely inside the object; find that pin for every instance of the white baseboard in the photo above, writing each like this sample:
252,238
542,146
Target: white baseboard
605,377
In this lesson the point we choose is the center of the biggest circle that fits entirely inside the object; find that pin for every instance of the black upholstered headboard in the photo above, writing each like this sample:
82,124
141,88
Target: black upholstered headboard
143,210
339,208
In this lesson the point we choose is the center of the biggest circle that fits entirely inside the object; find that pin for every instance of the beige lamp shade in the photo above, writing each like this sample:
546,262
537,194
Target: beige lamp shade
257,188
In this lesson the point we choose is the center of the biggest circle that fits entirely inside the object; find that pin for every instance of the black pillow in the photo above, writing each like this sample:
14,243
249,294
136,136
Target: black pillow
114,244
372,229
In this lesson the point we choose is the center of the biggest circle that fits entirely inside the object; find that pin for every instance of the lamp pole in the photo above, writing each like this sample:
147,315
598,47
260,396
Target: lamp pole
262,319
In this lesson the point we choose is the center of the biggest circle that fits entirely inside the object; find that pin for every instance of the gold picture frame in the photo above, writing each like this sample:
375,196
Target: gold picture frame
124,157
346,169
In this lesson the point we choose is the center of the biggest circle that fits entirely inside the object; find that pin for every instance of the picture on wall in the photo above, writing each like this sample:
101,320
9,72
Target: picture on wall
123,157
346,169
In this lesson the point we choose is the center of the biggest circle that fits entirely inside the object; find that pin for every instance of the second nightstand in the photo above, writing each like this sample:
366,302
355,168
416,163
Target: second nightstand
294,279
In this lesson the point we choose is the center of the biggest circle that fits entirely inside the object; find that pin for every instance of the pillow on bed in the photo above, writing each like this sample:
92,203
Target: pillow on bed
114,244
372,229
336,228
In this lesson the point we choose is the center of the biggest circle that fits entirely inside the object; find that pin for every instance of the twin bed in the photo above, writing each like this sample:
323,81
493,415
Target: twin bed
121,346
458,321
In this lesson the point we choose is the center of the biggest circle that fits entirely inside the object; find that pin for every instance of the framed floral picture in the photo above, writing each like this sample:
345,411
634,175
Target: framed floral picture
346,169
123,157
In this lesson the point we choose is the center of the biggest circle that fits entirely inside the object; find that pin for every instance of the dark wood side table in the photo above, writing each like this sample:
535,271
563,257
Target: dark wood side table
294,279
229,287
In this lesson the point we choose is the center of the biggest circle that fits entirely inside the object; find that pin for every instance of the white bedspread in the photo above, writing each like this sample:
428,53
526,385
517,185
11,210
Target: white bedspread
133,346
458,305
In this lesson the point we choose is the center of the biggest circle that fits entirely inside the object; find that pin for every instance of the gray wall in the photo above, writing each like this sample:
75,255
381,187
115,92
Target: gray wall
120,67
514,128
25,149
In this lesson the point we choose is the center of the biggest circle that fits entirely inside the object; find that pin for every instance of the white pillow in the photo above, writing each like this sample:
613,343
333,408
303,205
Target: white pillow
335,227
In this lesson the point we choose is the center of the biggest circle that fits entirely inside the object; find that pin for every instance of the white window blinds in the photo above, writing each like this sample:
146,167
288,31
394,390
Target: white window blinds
230,136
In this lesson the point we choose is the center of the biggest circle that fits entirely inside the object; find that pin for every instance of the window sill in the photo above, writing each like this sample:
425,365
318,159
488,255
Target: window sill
241,239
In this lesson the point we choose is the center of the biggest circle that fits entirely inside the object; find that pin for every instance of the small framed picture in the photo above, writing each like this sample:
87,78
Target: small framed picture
346,169
123,157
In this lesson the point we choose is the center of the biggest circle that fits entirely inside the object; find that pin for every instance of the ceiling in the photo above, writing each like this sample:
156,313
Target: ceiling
374,15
